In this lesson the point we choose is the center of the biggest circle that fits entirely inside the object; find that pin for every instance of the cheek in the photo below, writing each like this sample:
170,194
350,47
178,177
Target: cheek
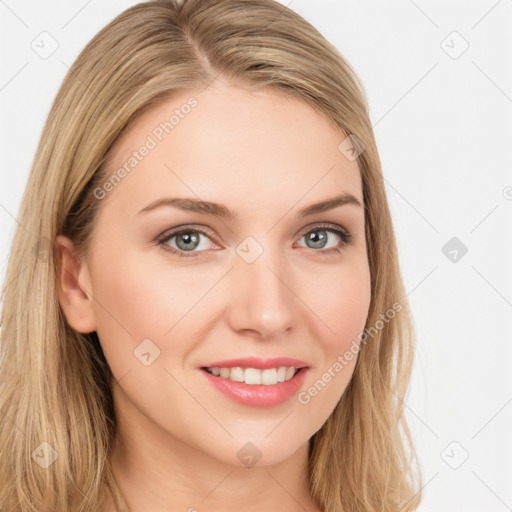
349,312
341,302
132,303
143,297
139,298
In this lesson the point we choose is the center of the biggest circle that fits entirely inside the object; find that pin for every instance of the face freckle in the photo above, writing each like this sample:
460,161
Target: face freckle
266,292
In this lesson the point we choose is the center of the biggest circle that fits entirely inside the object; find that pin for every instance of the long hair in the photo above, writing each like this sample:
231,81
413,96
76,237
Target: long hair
57,419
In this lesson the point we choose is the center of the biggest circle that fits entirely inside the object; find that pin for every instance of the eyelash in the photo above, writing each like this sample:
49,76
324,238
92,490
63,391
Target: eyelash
346,239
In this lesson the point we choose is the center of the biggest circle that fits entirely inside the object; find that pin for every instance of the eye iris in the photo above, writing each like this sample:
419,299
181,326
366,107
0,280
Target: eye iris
187,237
318,240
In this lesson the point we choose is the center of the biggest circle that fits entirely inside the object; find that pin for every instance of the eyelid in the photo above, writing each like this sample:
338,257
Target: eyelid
326,225
183,229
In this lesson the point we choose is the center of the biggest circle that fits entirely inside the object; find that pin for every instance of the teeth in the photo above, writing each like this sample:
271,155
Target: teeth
252,376
237,374
267,377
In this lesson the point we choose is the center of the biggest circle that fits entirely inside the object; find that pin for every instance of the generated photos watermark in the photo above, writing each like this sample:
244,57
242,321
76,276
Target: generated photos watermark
304,397
152,140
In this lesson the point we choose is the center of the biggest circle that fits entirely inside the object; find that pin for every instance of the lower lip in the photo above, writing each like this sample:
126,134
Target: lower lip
258,395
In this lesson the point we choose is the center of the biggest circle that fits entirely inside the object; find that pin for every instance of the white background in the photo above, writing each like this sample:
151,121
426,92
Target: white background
444,130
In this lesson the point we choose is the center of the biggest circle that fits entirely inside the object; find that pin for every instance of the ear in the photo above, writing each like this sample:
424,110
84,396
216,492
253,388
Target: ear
74,287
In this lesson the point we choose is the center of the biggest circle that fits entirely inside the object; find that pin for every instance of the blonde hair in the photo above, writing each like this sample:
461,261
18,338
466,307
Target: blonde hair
56,383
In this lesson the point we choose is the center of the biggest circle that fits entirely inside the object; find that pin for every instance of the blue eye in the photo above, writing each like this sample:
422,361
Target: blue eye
319,237
188,239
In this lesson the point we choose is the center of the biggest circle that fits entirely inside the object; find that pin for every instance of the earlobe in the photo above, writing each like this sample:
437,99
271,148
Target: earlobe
74,287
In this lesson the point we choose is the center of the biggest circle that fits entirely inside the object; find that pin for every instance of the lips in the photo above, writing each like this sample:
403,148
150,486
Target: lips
256,362
257,395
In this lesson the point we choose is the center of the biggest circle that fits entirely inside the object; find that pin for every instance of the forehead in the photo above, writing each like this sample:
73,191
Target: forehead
229,144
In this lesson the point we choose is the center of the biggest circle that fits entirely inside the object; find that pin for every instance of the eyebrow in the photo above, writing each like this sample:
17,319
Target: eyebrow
221,210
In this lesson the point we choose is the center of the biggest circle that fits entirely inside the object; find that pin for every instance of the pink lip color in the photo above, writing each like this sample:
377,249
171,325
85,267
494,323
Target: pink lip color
256,362
258,395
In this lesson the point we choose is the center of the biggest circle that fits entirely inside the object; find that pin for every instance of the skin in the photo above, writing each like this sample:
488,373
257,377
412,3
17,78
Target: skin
265,156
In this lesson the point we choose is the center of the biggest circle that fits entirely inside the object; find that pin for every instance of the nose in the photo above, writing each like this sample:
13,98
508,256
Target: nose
262,299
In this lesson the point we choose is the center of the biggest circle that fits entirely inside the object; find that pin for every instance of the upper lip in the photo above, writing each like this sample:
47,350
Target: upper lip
256,362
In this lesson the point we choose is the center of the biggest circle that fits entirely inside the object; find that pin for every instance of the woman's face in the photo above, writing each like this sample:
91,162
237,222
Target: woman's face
268,282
